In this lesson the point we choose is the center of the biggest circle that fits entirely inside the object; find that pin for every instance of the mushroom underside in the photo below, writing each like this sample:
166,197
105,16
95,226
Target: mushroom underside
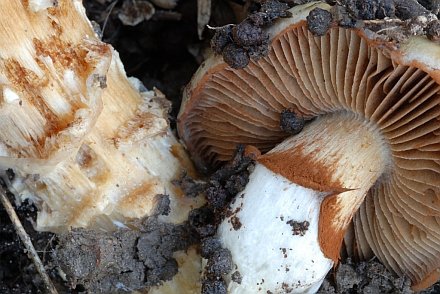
342,71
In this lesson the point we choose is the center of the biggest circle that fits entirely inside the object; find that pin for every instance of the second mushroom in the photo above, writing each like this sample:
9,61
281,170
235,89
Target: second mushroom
371,153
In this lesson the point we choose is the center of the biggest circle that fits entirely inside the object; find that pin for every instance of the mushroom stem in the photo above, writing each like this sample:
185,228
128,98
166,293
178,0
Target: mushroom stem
299,201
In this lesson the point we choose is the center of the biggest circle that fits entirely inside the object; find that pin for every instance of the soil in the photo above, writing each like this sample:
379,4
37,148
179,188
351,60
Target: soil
127,259
298,228
290,122
367,278
161,47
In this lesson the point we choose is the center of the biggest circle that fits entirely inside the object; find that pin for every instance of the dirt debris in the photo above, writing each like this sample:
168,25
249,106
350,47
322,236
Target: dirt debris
219,263
190,187
214,286
248,40
222,188
385,20
235,222
319,21
236,277
290,122
364,277
298,228
209,245
124,260
203,221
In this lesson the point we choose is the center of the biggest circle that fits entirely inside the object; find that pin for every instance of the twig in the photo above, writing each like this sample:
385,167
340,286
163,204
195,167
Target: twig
110,7
26,241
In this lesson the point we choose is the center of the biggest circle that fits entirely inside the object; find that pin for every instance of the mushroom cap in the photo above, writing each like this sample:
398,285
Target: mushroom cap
394,86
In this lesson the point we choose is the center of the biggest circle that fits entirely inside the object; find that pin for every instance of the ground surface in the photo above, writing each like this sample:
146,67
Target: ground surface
164,52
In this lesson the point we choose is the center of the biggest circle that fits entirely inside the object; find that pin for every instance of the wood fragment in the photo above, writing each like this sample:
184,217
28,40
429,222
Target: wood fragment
32,253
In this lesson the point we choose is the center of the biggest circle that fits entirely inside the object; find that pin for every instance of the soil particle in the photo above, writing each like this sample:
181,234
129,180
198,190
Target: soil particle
319,21
10,174
365,277
203,221
235,56
298,228
127,259
433,31
236,183
247,34
236,277
290,122
372,9
227,182
219,263
217,286
221,38
407,9
217,196
284,251
272,10
189,186
248,39
235,222
286,288
223,187
240,163
162,206
386,20
209,246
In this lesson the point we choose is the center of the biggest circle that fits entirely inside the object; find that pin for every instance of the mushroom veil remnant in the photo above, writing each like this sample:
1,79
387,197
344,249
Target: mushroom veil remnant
90,147
370,153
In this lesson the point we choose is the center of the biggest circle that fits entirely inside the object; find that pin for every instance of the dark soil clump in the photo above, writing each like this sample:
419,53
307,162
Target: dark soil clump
190,187
222,188
236,277
127,259
214,287
384,20
291,123
364,277
319,21
299,228
248,40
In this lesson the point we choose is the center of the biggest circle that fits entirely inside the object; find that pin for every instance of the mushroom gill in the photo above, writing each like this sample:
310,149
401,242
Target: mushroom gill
395,88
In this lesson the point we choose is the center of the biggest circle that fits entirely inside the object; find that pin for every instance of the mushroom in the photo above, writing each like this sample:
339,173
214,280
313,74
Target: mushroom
90,147
373,147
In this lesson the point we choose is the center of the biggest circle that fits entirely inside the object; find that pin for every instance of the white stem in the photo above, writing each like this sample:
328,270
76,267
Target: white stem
320,176
265,248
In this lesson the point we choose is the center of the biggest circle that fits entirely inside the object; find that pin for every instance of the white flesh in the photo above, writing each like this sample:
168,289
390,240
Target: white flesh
264,248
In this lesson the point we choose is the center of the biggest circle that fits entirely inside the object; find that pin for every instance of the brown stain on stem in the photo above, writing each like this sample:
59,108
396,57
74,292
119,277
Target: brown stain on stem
301,169
304,170
330,238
